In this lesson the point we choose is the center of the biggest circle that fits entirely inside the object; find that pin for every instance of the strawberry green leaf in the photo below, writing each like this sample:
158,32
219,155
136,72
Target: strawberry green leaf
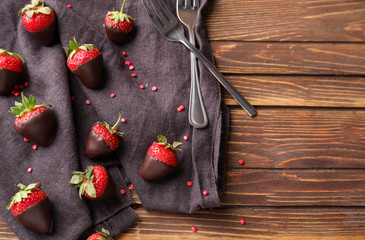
30,13
15,110
45,10
161,139
90,189
81,190
76,179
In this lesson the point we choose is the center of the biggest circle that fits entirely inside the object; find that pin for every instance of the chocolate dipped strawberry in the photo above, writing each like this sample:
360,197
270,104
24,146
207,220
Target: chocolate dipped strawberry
93,183
86,62
11,68
40,22
160,160
103,140
118,25
103,235
35,122
31,207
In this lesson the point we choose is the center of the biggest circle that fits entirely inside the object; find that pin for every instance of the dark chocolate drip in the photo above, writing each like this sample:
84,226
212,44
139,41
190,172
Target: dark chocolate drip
90,72
96,147
39,129
153,169
8,79
37,217
115,34
46,36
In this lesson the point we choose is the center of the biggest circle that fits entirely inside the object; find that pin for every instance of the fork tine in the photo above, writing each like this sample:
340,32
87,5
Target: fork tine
159,14
195,4
168,12
155,22
179,3
187,3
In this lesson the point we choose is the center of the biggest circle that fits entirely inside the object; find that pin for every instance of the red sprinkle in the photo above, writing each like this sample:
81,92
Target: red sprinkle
116,129
16,94
154,88
112,95
123,120
134,206
242,221
73,98
29,170
241,161
16,86
141,86
132,187
21,86
179,109
122,191
13,91
26,140
26,84
124,54
182,107
186,138
88,102
35,147
211,208
128,63
69,5
131,67
194,229
134,75
189,183
205,192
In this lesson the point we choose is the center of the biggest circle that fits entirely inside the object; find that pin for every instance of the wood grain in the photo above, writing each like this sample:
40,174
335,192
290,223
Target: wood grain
261,223
289,58
290,20
299,91
297,138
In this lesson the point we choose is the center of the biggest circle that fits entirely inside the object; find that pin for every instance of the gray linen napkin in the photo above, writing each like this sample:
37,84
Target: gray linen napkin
148,113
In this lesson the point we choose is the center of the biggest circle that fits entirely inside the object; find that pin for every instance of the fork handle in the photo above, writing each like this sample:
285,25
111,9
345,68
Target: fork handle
251,111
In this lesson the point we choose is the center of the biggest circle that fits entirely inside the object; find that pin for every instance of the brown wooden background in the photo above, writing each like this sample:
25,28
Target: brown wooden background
302,64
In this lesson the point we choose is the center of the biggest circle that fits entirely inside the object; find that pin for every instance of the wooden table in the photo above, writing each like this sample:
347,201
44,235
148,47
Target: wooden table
302,64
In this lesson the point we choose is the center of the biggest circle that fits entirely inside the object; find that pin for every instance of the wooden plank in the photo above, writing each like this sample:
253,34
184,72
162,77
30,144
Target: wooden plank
297,138
6,232
261,223
259,187
290,20
299,91
289,58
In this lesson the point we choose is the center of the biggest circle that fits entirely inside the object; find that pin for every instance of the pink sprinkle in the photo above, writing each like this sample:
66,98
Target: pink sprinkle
29,170
35,147
194,229
103,25
122,191
189,183
132,187
205,192
242,221
73,98
186,138
179,109
182,107
88,102
112,95
26,84
131,67
241,161
21,86
134,75
154,88
124,54
128,63
69,5
141,86
123,120
16,86
26,140
16,94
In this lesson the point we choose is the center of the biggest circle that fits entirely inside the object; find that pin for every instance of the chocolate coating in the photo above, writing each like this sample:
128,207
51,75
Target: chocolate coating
153,169
37,217
90,72
110,189
45,36
115,34
8,79
39,129
96,147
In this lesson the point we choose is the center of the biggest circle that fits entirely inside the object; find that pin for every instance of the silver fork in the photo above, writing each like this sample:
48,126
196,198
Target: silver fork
169,26
187,13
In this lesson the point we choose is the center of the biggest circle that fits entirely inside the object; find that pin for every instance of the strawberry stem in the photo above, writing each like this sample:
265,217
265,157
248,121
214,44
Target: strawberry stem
116,124
121,10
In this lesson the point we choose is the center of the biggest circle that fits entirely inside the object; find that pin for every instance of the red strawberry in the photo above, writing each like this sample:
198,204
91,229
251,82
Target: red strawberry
118,25
31,207
11,68
93,183
39,21
35,122
103,140
160,159
86,62
103,235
